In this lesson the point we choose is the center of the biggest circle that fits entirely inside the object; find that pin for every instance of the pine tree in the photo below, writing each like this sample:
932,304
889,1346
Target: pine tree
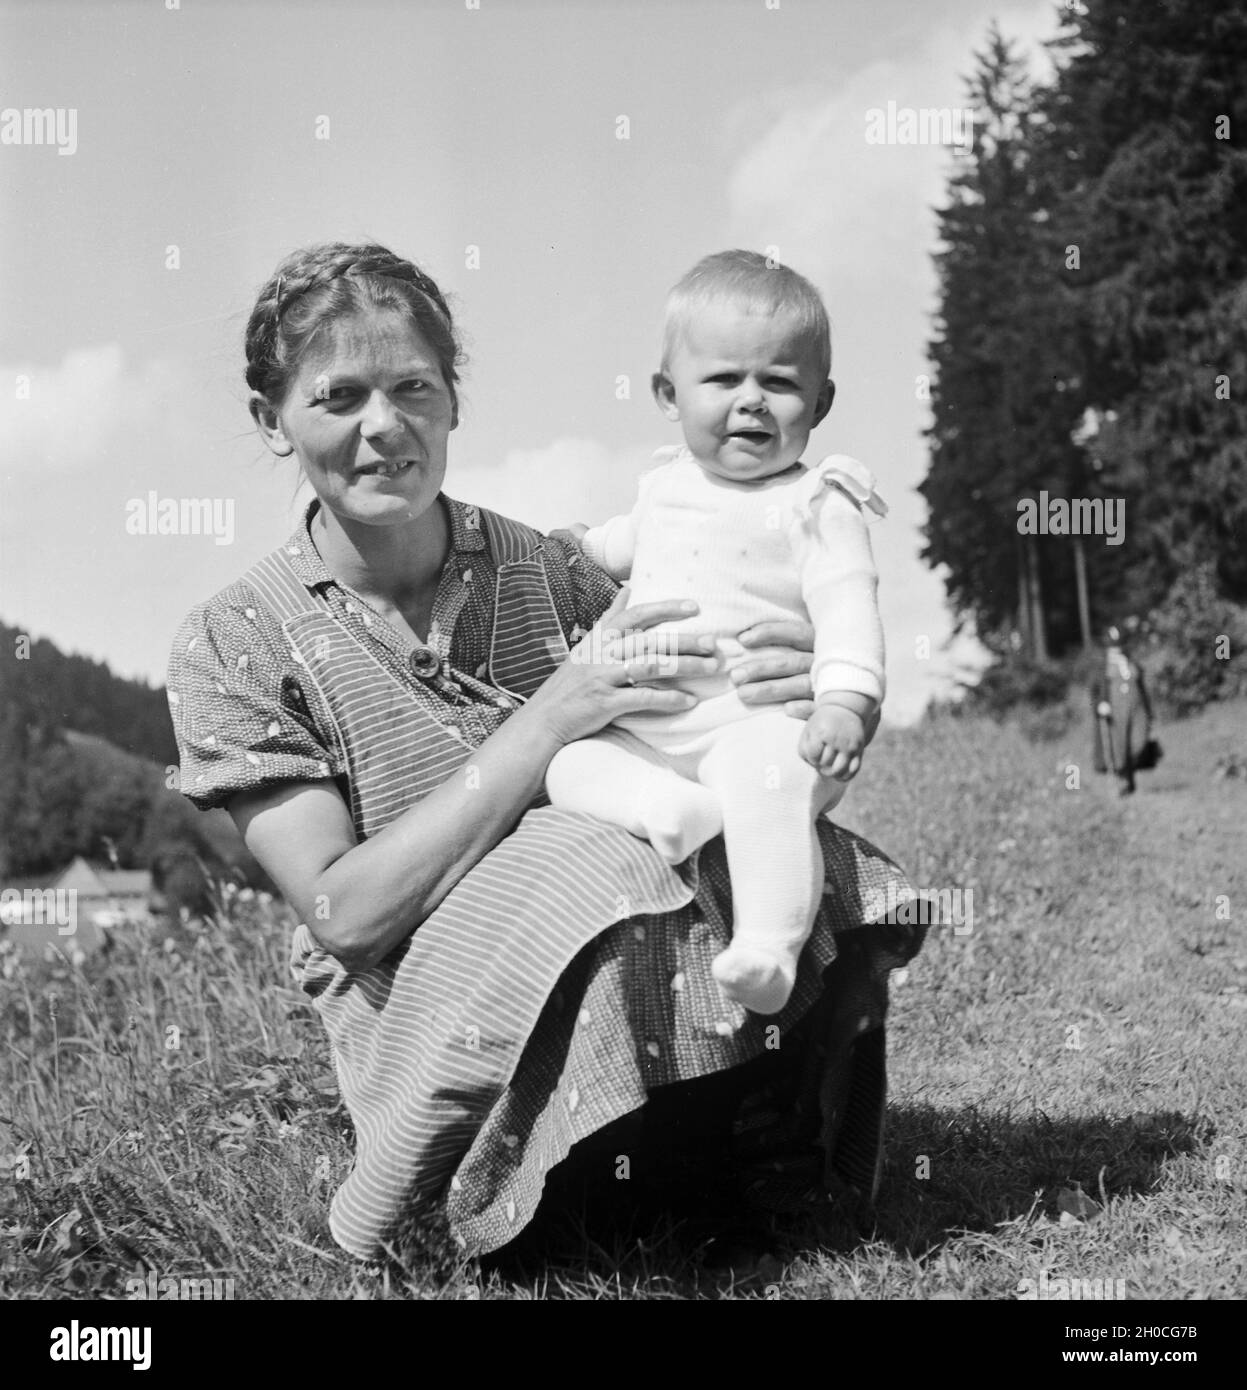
1007,394
1147,125
1092,336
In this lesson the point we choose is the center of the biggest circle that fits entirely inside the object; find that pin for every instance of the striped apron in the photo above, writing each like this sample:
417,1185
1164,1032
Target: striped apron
474,1056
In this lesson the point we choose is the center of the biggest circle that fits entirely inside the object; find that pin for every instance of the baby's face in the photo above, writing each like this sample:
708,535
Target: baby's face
747,392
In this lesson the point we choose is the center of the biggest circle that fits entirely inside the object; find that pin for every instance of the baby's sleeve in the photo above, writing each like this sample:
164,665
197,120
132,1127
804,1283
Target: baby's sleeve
839,583
613,544
243,717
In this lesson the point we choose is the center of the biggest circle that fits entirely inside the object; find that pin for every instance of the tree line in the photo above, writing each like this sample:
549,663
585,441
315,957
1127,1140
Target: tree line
85,758
1088,426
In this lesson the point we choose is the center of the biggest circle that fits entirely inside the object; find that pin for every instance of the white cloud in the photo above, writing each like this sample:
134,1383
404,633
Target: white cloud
62,419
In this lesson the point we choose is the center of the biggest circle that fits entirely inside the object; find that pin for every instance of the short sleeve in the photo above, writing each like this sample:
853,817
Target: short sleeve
243,718
593,590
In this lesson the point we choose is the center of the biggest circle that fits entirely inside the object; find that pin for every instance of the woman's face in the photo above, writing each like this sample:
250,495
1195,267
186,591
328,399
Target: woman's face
368,414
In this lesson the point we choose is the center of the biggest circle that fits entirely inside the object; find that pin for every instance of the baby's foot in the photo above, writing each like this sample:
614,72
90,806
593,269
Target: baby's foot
760,980
683,819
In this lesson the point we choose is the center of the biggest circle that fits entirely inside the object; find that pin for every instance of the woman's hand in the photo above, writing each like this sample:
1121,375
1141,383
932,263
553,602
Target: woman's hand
621,668
778,672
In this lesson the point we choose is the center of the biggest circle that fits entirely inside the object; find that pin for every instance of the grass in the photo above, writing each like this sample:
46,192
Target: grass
171,1108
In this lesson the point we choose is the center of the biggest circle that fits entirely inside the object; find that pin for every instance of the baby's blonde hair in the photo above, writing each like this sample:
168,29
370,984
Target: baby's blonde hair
750,282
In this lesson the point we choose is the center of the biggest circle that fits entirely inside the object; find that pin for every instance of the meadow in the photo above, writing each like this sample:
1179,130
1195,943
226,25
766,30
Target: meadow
1067,1079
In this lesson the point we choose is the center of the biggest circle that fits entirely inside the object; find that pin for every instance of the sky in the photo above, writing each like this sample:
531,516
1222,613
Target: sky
201,141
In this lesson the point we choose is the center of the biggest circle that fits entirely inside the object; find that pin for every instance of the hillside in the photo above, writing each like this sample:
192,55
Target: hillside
86,759
49,689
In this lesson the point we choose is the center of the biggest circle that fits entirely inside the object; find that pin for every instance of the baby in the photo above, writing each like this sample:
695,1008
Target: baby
736,521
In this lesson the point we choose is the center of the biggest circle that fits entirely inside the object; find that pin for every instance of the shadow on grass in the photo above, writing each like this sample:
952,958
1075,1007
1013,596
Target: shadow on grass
986,1168
983,1169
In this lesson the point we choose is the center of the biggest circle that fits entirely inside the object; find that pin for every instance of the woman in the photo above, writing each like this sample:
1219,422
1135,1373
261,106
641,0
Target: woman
376,704
1122,712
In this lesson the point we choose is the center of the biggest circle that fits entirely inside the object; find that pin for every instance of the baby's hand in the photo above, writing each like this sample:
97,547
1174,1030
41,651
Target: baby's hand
833,740
574,533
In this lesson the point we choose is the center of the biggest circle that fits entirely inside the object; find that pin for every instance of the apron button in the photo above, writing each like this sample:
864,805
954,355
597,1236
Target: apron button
425,663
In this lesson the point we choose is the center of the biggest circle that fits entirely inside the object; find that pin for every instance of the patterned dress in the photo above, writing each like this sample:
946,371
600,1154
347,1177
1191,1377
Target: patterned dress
567,975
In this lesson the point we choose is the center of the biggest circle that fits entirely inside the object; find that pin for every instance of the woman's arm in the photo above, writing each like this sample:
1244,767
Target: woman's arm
360,899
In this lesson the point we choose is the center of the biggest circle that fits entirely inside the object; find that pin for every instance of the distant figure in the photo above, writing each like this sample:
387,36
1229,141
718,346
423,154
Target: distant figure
1121,711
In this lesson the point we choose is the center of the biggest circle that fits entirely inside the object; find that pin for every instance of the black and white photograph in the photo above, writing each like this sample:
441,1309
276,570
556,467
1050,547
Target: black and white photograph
623,661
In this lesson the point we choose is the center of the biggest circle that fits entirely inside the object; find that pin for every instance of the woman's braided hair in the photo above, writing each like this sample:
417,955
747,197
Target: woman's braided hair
317,285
